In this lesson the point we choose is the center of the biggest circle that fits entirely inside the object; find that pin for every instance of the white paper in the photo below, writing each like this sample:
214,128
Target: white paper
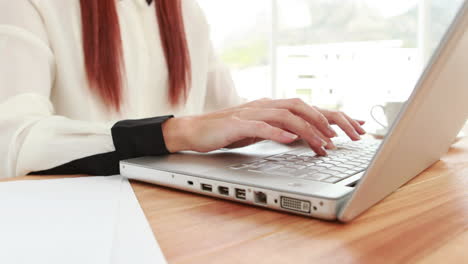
81,220
58,221
134,241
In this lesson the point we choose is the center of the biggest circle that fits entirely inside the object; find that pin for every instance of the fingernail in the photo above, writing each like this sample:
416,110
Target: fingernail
332,131
358,137
324,152
331,146
289,135
323,142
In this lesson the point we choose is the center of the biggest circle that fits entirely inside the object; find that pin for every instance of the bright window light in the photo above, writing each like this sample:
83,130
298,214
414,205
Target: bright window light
341,54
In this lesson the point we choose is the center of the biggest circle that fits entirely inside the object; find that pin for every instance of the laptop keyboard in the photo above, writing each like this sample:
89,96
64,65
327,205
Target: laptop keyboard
347,160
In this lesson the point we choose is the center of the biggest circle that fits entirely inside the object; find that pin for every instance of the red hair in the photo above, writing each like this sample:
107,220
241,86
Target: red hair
103,53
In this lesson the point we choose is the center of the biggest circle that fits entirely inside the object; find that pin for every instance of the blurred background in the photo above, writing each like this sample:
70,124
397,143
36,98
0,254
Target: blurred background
341,54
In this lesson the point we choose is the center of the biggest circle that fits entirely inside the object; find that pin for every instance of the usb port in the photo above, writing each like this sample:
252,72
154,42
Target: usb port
223,190
207,187
240,194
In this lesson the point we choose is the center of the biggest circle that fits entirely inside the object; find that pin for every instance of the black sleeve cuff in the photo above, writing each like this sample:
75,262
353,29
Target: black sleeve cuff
132,139
138,138
102,164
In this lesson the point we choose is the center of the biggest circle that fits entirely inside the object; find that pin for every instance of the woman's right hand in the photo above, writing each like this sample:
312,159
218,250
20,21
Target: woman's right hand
282,121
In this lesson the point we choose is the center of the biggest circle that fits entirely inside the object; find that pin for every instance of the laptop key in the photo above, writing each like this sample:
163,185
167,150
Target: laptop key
302,163
317,176
266,168
285,170
342,175
312,171
296,166
339,169
347,166
309,154
328,166
332,180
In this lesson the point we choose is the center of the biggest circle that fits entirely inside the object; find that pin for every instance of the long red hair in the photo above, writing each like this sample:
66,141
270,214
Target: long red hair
103,52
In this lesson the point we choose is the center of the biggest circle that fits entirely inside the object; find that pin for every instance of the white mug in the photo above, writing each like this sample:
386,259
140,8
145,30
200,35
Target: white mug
390,110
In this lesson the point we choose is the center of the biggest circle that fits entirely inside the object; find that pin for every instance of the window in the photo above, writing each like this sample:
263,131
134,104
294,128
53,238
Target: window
341,54
241,33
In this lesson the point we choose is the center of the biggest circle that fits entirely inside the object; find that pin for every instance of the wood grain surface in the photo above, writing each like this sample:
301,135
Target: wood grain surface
425,221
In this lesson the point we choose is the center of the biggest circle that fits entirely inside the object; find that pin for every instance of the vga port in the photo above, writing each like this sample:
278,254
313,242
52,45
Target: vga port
294,204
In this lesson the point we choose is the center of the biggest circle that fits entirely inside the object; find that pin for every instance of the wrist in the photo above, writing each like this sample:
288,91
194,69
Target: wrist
176,134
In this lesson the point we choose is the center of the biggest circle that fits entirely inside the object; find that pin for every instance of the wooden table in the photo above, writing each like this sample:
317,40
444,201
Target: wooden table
426,221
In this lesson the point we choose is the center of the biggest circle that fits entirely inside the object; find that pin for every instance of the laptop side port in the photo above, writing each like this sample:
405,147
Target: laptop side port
206,187
260,197
294,204
240,194
223,190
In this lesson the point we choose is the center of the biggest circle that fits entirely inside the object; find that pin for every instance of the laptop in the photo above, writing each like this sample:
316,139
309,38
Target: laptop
351,179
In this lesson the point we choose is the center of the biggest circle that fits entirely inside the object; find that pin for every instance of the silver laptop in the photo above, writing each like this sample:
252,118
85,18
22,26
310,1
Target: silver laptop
291,178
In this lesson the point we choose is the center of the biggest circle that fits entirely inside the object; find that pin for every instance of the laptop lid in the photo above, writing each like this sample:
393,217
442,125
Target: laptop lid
427,125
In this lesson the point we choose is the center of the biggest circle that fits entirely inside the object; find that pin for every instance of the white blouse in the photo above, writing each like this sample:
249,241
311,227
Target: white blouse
49,117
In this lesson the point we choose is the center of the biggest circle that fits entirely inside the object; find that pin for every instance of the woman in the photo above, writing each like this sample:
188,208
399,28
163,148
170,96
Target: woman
72,72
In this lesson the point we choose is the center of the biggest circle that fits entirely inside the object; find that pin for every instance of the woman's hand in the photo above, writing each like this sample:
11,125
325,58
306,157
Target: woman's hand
282,121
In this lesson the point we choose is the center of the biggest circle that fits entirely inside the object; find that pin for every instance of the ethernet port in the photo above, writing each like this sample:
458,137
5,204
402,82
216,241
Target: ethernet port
260,197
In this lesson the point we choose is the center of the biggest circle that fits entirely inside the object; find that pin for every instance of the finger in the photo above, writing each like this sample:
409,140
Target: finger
319,151
286,120
319,146
260,129
329,115
356,125
346,126
307,112
330,144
